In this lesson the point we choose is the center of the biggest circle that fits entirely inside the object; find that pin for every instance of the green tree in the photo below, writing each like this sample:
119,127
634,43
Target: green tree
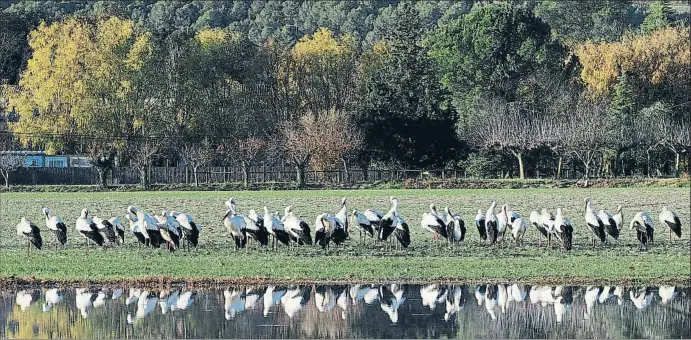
403,111
658,18
493,51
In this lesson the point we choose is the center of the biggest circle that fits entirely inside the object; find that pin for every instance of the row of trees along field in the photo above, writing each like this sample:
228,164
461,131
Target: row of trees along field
521,87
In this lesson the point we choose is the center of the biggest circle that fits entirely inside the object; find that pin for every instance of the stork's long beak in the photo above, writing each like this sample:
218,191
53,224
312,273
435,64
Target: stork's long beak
226,215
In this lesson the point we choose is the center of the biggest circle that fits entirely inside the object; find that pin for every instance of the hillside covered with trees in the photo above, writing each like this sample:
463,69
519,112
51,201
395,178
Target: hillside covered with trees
522,87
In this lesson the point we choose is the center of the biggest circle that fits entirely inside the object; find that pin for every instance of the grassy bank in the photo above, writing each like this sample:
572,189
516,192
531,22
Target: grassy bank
224,266
377,185
423,260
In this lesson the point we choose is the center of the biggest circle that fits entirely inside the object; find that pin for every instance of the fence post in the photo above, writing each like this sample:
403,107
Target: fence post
263,172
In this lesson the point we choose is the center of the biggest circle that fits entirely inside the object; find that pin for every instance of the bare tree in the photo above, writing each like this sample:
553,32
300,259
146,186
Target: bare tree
140,152
244,151
196,155
298,146
584,135
508,127
10,161
662,131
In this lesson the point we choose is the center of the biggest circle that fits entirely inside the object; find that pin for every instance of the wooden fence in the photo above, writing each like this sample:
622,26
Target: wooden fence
257,174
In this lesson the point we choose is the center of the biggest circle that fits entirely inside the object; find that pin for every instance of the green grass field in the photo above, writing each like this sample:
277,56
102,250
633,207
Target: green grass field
216,258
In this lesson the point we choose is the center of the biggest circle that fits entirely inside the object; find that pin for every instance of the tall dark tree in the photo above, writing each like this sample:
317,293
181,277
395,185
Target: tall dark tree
403,112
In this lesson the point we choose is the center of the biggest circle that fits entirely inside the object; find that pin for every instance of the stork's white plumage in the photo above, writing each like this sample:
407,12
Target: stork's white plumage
190,229
432,222
275,228
119,228
106,229
643,225
29,230
671,220
491,223
455,226
518,229
563,230
88,229
57,226
298,229
595,224
342,216
363,224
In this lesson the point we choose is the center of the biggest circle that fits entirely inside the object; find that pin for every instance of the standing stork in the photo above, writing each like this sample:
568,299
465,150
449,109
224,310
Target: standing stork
275,228
491,223
236,227
594,223
342,216
298,229
374,217
563,230
119,228
170,230
256,231
148,225
88,229
29,230
547,219
432,222
190,229
618,218
644,228
455,226
105,228
518,230
671,220
505,218
480,224
364,225
610,224
57,226
536,221
402,232
327,229
388,222
141,234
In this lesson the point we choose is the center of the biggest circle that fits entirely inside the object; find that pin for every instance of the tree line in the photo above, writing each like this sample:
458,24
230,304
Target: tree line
522,87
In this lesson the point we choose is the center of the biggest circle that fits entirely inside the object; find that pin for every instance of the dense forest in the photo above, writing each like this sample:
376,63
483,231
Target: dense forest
524,88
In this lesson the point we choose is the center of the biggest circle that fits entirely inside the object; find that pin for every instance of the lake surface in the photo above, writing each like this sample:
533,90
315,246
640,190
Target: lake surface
353,311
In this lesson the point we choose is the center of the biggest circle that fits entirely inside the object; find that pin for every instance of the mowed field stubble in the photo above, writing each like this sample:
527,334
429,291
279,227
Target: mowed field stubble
217,259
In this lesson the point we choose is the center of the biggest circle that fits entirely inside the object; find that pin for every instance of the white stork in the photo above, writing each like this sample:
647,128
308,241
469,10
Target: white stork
518,230
141,234
455,226
275,228
57,226
536,221
170,230
387,224
105,228
491,223
671,220
342,216
594,223
298,229
644,228
190,229
364,225
29,230
480,224
147,225
119,228
432,222
88,229
610,224
563,230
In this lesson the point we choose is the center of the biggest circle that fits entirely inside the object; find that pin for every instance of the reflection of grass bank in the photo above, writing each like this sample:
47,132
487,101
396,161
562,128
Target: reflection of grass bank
227,266
620,261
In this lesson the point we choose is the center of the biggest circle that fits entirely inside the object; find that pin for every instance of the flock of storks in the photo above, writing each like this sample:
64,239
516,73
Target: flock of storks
170,229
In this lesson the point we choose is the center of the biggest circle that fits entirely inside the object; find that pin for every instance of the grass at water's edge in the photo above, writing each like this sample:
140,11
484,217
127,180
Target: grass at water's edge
73,266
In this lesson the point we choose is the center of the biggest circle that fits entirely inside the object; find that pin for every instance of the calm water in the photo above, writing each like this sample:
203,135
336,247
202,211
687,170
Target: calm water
355,311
